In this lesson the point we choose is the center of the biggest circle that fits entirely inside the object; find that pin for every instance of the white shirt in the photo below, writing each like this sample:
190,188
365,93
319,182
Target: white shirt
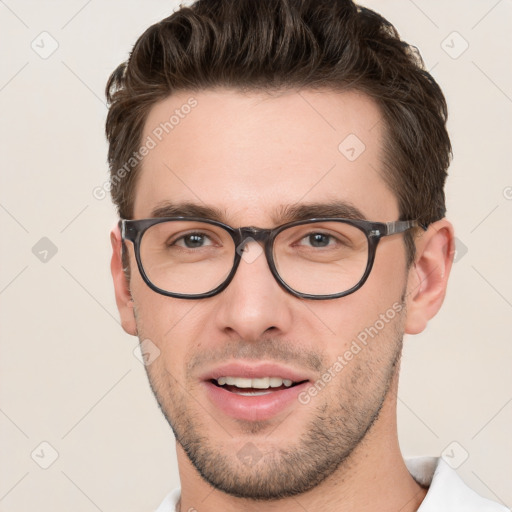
446,491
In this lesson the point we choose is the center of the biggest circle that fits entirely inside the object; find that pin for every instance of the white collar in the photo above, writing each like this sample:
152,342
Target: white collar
447,492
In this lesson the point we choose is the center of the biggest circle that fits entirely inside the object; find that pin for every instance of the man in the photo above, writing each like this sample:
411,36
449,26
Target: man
278,167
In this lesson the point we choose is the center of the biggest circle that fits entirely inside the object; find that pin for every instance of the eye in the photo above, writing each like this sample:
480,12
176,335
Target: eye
193,241
318,240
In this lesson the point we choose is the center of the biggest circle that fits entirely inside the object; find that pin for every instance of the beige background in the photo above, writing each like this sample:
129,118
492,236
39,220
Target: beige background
69,376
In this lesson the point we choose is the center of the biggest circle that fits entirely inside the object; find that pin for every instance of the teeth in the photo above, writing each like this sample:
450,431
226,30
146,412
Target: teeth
253,393
259,383
275,382
263,383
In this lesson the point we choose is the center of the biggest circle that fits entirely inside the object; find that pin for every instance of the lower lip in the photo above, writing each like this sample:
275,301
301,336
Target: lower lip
253,408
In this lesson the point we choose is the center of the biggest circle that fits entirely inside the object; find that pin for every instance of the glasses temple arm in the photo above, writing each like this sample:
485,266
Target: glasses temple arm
400,226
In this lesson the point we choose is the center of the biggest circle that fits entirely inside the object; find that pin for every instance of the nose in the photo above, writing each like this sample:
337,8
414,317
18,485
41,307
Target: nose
254,305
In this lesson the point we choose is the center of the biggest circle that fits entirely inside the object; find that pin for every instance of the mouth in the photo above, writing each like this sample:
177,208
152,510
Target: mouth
254,391
260,386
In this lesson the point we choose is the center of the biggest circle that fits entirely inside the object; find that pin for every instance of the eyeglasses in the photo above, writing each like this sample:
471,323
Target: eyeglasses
194,258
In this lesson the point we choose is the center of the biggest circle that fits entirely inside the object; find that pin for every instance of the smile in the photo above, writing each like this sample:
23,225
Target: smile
253,387
245,390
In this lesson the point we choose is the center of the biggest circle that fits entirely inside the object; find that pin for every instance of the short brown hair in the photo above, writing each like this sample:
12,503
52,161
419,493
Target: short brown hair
288,44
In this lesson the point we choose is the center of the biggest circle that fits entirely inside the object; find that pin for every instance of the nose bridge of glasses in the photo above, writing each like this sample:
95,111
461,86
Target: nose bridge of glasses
252,234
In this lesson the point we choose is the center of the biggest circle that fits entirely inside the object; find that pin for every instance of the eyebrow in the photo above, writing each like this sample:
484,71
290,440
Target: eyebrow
187,209
303,211
281,215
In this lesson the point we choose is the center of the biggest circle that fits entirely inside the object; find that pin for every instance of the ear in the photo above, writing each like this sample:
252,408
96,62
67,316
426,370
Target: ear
121,284
428,276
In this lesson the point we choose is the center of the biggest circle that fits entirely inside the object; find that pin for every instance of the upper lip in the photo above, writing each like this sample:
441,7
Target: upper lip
252,370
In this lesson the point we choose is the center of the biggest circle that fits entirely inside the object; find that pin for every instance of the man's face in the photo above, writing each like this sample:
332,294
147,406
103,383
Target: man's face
249,157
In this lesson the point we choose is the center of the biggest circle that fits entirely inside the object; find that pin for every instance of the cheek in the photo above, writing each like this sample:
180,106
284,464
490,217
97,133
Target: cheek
374,311
154,316
355,319
174,326
388,278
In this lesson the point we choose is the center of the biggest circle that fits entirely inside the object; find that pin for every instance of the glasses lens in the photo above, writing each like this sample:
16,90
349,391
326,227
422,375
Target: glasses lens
186,257
324,258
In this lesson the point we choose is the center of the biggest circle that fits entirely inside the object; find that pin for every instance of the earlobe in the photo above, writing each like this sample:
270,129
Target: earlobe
428,276
121,285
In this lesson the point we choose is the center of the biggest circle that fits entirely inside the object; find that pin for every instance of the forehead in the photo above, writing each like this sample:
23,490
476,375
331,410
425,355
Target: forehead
251,154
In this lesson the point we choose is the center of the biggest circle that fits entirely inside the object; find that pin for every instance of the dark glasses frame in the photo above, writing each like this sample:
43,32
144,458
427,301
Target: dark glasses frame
133,231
